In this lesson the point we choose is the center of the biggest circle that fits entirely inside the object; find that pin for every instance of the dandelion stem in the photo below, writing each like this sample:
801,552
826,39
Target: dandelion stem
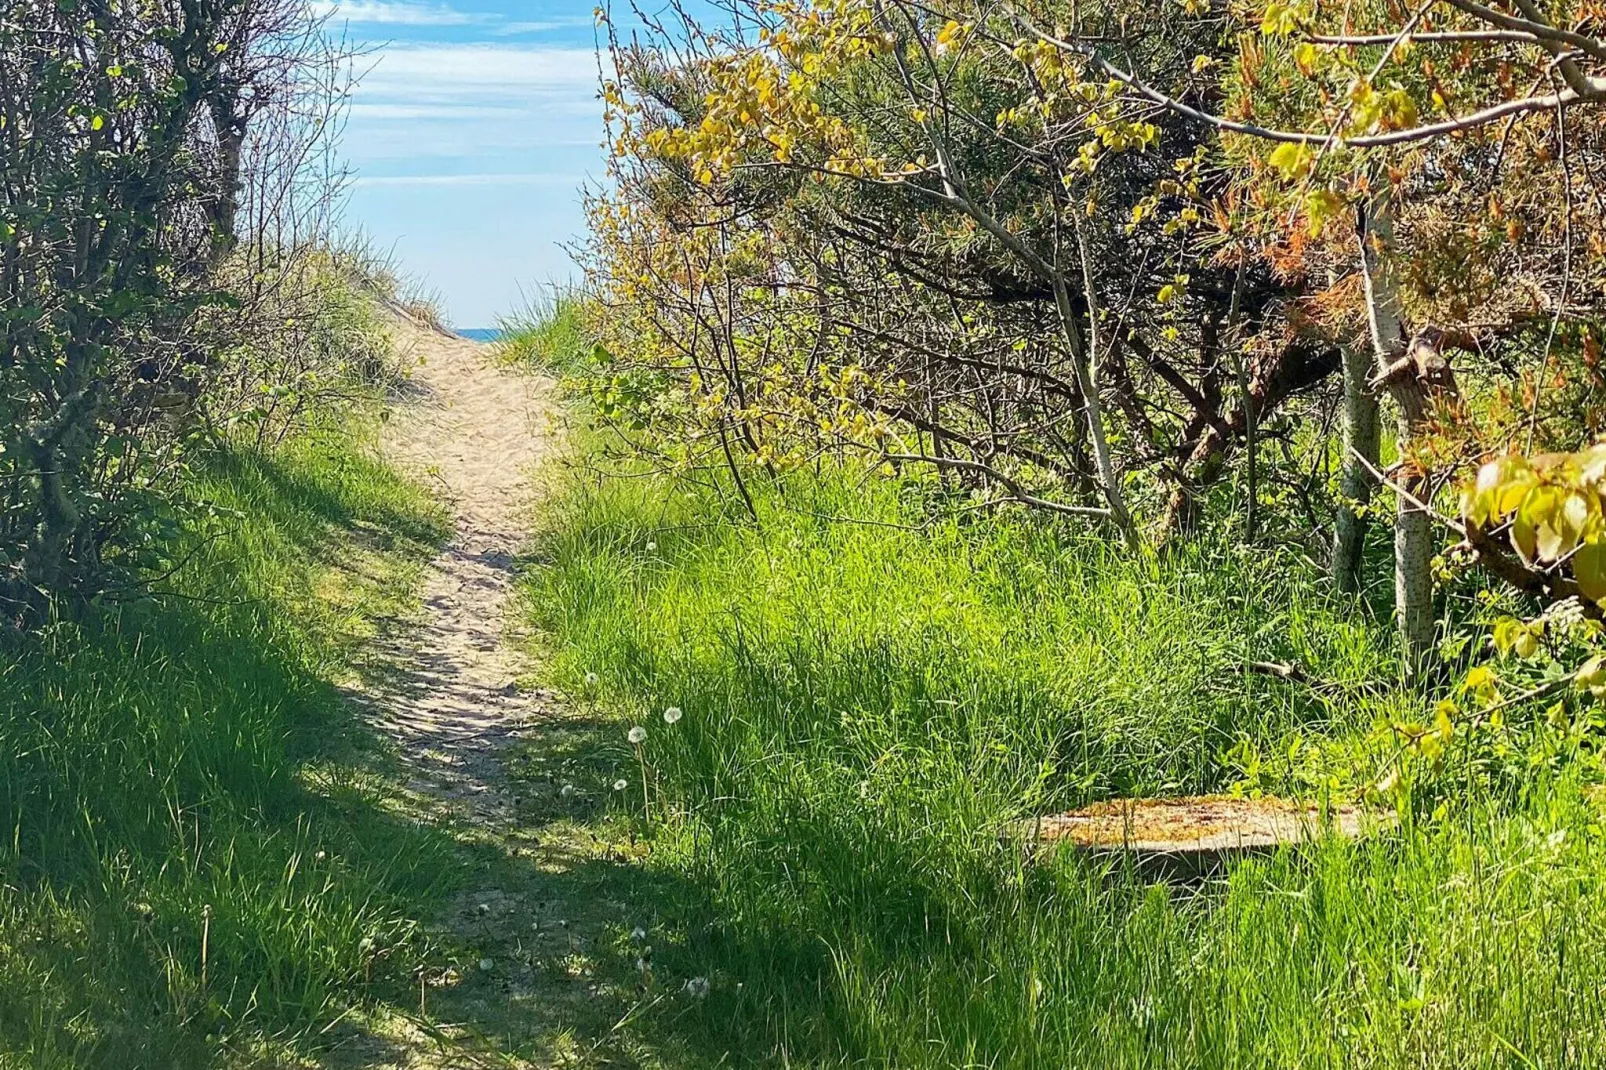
646,803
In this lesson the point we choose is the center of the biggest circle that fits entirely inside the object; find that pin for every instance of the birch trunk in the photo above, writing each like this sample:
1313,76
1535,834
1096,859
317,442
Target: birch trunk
1413,528
1084,360
1362,435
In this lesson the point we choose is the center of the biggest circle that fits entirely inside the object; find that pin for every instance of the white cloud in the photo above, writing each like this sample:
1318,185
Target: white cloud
465,101
527,179
395,13
411,70
474,152
420,13
422,111
513,29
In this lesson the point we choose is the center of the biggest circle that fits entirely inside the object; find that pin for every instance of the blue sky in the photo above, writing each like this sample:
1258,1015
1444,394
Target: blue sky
469,138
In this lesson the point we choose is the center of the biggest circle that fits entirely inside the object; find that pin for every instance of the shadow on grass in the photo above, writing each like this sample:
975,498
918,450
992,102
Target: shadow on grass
198,850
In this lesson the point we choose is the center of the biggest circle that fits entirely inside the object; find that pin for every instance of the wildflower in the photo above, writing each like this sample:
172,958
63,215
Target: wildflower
621,784
638,734
651,546
568,791
698,987
638,934
672,714
487,965
591,679
320,856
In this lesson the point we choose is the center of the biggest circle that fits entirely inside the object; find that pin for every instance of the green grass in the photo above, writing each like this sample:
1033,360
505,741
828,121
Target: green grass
549,333
871,707
197,860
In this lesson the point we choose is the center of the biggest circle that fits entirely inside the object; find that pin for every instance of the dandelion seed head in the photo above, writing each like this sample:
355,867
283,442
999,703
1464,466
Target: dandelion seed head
487,965
638,734
591,679
638,934
698,987
672,714
651,546
568,791
620,784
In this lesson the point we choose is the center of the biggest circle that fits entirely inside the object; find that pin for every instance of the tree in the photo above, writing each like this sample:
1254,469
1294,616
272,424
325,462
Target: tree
1340,96
117,197
950,214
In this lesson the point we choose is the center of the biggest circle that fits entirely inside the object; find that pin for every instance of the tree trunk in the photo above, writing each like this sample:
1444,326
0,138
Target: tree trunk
1086,361
1413,529
230,134
1362,435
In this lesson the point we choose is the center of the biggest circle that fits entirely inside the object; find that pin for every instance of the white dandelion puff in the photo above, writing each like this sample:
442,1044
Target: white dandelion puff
568,791
591,679
638,734
651,546
672,714
638,934
487,965
621,784
698,987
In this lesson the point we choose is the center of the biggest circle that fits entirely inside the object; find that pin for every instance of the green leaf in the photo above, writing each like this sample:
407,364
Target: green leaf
1589,569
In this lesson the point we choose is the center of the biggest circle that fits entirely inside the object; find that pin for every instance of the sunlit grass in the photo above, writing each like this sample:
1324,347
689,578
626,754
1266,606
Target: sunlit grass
869,709
549,333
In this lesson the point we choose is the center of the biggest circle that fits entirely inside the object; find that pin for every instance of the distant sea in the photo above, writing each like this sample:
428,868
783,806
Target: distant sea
481,334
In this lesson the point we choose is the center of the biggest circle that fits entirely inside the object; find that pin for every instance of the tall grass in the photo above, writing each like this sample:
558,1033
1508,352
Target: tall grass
195,855
549,332
870,709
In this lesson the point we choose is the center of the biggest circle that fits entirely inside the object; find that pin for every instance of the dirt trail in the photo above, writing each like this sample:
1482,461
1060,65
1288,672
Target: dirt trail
528,976
474,431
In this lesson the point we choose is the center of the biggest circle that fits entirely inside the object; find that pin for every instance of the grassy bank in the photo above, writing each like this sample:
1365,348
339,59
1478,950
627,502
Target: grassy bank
869,707
195,855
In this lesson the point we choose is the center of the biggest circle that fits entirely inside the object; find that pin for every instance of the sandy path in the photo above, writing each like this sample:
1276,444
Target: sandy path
472,430
525,938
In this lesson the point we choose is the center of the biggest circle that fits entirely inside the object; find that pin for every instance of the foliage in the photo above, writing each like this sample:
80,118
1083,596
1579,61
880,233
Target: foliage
1089,258
308,347
552,332
1551,506
823,239
124,161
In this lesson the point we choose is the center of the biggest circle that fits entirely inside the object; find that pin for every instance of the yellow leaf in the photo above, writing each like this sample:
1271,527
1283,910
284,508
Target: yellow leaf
1320,206
1291,159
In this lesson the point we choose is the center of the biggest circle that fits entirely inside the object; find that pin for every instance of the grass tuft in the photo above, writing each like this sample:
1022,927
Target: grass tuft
549,333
